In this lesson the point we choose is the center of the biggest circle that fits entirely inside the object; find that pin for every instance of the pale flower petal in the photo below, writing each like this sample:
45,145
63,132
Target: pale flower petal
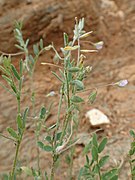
99,45
123,83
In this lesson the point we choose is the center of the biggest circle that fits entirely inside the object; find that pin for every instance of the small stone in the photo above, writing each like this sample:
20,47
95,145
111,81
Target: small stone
109,5
29,1
121,15
96,117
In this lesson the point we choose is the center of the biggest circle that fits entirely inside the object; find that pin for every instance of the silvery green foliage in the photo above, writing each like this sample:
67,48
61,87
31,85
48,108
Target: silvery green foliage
59,137
92,169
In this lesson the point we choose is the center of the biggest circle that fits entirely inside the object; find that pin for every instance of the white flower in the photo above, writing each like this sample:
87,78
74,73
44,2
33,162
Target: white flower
52,93
99,45
123,83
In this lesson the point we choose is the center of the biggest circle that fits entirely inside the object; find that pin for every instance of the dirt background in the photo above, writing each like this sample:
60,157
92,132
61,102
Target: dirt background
114,23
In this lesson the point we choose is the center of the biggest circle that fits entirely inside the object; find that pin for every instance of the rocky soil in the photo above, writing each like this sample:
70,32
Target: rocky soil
112,21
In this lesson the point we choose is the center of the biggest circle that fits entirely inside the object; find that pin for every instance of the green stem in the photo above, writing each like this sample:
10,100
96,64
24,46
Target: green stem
33,92
78,59
19,105
17,147
54,159
19,141
131,167
55,135
68,106
52,169
38,156
99,173
72,150
59,108
15,160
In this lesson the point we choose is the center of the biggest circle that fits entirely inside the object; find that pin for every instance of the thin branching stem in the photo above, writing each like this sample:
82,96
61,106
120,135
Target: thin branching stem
59,108
11,54
100,86
6,89
15,160
78,59
2,135
67,116
17,145
50,64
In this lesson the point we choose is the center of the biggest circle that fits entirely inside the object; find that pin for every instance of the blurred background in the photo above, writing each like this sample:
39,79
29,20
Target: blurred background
112,21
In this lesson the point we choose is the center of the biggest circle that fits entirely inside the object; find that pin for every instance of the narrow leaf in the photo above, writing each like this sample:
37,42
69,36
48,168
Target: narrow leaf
16,74
27,42
25,115
114,177
103,161
5,71
21,67
44,147
48,148
19,121
12,132
92,97
132,133
76,99
79,84
42,113
74,69
102,145
57,76
41,44
7,79
58,136
94,152
19,47
95,169
86,34
110,174
41,145
87,148
65,39
94,140
7,62
35,49
87,159
48,139
14,89
70,48
52,127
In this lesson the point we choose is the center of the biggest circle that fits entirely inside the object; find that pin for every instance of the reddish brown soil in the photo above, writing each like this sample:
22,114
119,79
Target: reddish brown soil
116,27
